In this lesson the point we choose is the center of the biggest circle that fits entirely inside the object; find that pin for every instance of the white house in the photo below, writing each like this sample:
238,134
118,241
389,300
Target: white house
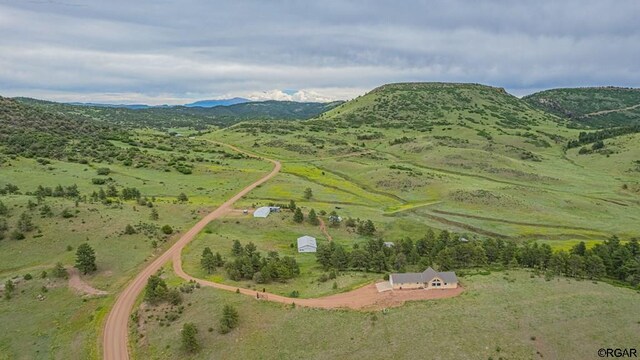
307,244
428,279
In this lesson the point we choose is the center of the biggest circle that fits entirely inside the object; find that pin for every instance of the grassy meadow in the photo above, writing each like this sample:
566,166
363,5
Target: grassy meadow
509,315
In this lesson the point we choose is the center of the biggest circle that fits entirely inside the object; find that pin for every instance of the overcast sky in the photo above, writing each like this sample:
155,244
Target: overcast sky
172,52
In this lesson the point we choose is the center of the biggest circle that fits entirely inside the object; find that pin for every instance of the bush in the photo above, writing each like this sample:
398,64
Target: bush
167,229
28,277
129,230
17,235
103,171
98,181
294,294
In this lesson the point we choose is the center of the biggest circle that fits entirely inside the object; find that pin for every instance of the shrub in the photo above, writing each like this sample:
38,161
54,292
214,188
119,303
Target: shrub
167,229
28,277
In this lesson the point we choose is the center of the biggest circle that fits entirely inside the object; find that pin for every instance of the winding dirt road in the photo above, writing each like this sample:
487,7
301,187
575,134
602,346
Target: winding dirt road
115,333
115,342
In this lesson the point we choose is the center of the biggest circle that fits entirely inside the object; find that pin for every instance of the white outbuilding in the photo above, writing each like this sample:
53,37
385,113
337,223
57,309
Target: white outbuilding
307,244
262,212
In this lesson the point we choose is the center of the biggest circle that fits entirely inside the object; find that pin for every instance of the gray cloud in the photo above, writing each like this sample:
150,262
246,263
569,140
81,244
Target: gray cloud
170,51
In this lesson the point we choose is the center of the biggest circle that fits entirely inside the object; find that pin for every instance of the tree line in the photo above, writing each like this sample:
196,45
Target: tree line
447,251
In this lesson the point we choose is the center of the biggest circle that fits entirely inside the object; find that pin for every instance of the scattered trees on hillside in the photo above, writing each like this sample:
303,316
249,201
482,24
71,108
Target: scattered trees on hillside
86,259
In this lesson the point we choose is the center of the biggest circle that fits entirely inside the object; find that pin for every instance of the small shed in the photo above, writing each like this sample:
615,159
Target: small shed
262,212
307,244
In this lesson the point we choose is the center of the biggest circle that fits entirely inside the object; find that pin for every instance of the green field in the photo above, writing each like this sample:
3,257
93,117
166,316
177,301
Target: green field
501,315
466,158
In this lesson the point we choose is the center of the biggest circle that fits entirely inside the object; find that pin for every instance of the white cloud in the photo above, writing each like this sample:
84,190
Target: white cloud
162,52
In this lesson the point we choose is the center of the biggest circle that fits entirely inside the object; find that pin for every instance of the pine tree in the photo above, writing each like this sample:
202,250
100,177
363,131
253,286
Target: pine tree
308,194
86,259
229,320
8,289
208,260
313,218
298,216
237,249
292,205
189,340
154,214
183,197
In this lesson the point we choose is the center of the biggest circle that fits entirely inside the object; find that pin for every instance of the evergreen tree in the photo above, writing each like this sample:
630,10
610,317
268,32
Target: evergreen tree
24,222
313,218
594,267
237,249
579,249
229,320
183,197
298,216
9,287
154,214
189,340
86,259
208,260
156,289
308,194
292,205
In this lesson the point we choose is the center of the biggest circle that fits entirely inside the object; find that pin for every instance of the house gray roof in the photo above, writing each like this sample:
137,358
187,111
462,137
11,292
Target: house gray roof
423,277
448,276
307,241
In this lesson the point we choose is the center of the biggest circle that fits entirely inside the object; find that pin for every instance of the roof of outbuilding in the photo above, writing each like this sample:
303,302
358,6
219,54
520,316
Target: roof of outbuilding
307,241
262,211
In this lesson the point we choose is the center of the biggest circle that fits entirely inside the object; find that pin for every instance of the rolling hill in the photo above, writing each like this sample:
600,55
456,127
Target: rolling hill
598,107
465,157
197,117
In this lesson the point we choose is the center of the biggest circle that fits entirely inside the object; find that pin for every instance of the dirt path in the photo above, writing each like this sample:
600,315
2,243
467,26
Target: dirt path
602,112
79,285
323,228
364,298
115,333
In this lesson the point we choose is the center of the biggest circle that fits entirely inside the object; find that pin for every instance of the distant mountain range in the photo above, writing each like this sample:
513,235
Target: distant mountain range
201,103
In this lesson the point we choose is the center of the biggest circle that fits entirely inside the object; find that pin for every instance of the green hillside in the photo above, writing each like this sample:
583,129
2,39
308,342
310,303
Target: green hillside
188,117
464,157
598,107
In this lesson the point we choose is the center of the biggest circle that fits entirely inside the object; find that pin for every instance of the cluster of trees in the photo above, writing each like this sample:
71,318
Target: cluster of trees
447,251
598,136
156,291
250,264
70,192
210,261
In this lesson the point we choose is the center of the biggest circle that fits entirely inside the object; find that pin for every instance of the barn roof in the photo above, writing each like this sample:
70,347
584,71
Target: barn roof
262,212
306,241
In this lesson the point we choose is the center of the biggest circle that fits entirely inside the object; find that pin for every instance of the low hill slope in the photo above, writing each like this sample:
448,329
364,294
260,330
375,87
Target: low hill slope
164,117
420,106
598,107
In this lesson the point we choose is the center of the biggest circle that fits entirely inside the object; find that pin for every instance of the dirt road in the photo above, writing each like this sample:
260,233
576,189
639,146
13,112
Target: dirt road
79,285
115,333
323,228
